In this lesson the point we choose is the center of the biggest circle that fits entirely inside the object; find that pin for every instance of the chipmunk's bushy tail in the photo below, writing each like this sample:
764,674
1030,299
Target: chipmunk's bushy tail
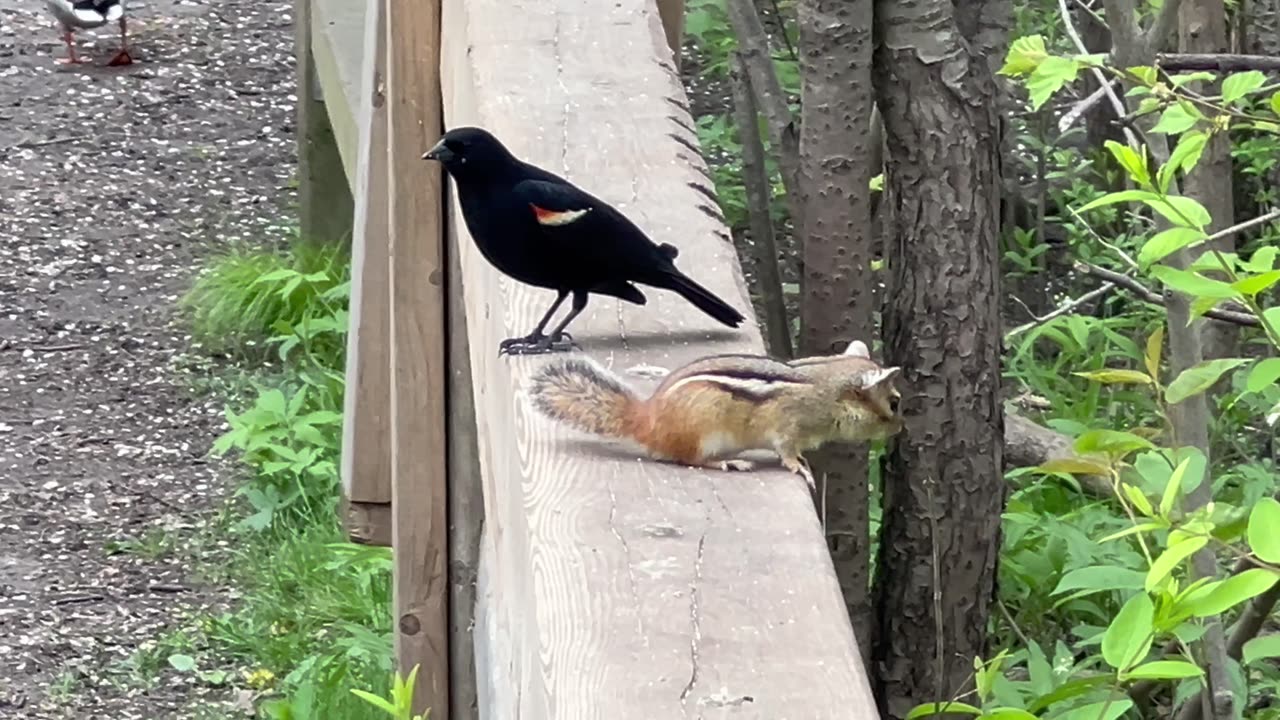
587,397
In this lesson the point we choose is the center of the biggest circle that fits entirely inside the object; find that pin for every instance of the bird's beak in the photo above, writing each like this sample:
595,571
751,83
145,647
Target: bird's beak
439,153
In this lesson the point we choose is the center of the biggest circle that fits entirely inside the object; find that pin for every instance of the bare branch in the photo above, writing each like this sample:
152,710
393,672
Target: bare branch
1222,62
756,183
753,46
1083,106
1135,286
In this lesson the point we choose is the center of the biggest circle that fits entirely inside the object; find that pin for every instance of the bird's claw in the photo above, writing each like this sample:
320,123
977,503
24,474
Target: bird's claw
536,345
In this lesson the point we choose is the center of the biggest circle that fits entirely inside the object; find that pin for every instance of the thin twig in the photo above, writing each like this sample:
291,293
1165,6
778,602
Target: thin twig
1103,81
1097,292
1082,107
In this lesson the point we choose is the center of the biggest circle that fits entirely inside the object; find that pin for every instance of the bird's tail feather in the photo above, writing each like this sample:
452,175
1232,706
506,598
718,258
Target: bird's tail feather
702,298
587,397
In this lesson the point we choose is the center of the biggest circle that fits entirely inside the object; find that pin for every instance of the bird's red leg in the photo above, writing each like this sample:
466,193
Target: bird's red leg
71,58
123,57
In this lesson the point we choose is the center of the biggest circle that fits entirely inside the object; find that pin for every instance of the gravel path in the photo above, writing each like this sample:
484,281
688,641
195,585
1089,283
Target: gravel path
113,183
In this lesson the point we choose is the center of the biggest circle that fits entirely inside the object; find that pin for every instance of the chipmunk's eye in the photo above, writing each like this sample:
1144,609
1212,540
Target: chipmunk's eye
894,403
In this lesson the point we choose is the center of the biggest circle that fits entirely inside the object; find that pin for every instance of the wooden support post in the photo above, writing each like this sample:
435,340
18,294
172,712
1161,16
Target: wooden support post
466,498
324,198
366,437
418,344
672,14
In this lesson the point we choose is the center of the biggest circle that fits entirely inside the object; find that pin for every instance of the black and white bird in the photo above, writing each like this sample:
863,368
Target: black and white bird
88,14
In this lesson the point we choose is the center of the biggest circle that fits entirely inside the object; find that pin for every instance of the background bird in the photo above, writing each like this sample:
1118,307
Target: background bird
541,229
87,14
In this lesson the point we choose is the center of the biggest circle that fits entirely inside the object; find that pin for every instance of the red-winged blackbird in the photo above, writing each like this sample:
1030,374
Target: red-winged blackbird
540,229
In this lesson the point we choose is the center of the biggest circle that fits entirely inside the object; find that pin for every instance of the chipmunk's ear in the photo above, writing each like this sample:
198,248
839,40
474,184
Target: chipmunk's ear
876,377
857,348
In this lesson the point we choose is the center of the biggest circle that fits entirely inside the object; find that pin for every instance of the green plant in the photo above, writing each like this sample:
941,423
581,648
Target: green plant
399,704
245,296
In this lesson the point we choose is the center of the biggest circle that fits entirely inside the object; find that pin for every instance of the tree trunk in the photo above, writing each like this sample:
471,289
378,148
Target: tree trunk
836,304
944,492
1202,28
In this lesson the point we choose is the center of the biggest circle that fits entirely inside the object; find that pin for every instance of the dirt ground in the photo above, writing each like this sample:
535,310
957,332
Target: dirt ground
113,183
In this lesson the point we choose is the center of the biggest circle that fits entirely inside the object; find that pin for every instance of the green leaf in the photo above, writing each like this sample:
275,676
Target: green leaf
1139,499
1264,530
376,701
1134,530
1131,161
1110,441
1237,85
938,708
1263,375
1172,487
1128,638
1262,259
1144,196
273,402
1024,56
1171,557
1185,155
1116,377
1255,284
1008,713
1100,577
1074,466
1182,210
1167,242
1231,592
1068,690
1106,710
1049,77
1197,379
1275,103
1261,648
1151,358
1165,670
1199,76
1193,283
1175,119
182,663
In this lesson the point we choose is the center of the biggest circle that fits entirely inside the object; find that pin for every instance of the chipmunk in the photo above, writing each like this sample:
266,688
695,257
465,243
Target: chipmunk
716,407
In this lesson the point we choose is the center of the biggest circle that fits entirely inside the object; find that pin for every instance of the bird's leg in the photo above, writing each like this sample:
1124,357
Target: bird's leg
533,337
71,58
555,342
123,57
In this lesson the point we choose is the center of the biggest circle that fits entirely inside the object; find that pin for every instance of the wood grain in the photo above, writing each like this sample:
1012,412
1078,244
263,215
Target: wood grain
366,436
418,352
612,586
338,41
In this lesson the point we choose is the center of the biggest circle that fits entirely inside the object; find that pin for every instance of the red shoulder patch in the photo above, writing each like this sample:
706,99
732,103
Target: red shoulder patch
556,217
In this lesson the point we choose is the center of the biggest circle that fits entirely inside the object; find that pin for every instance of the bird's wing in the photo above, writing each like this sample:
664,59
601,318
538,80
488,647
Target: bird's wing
573,221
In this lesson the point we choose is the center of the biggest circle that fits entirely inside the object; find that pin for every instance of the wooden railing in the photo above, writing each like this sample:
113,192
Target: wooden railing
539,575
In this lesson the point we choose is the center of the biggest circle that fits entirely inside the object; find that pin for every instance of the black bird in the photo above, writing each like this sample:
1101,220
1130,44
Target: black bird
540,229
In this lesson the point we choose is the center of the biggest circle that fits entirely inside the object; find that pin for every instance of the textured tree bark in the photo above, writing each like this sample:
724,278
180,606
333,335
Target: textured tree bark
944,492
836,299
1202,28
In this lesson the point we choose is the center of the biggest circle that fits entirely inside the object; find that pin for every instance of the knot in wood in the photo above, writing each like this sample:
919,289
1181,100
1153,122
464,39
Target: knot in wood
410,624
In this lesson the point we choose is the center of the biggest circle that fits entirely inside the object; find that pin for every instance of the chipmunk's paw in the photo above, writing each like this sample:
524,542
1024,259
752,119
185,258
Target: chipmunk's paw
737,466
798,466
